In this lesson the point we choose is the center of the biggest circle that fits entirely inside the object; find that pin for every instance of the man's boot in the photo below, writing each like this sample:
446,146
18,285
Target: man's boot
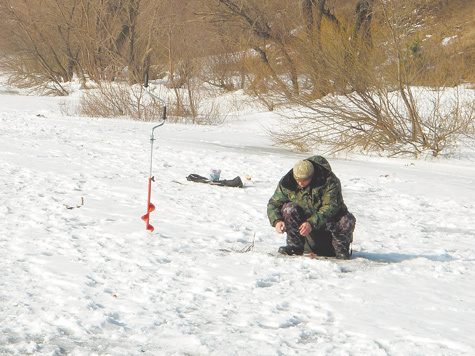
291,250
342,253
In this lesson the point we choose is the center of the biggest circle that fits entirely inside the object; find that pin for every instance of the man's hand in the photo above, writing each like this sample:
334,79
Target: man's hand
280,227
305,228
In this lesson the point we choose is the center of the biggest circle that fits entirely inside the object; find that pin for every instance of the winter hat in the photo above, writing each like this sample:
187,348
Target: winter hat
303,170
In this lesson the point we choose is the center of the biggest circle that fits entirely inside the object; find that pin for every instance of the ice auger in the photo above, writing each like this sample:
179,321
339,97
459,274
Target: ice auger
150,206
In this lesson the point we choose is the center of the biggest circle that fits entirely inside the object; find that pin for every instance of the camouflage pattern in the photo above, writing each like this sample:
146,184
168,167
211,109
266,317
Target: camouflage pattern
293,218
320,203
335,243
342,234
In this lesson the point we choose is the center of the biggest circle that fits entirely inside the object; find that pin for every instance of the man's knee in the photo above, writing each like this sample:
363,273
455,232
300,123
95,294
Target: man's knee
347,223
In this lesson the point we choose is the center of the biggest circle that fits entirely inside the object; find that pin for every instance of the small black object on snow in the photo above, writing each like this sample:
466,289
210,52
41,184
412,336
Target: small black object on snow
236,182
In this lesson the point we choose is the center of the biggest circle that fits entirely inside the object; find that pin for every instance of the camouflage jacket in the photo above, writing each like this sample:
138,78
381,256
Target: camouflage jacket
321,200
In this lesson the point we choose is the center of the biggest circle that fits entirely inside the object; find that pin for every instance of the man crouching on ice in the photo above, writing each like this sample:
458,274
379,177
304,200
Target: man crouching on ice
308,205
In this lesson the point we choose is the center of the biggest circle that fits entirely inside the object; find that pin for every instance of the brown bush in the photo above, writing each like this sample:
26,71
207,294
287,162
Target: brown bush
114,100
374,105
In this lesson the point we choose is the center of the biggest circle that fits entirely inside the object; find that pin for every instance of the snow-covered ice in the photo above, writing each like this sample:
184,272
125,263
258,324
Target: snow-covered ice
80,275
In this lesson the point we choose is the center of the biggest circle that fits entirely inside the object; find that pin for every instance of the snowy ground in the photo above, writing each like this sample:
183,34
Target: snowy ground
90,280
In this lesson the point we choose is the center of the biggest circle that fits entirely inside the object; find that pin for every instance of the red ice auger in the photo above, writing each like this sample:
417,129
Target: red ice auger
150,206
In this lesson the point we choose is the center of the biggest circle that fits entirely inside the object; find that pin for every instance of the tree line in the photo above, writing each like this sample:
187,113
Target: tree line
283,52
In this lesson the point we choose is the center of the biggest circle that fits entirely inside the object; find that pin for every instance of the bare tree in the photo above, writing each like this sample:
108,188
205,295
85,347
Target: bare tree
377,107
268,31
362,27
40,40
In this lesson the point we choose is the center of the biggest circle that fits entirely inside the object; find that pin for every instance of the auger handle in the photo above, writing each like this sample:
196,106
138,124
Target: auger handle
164,112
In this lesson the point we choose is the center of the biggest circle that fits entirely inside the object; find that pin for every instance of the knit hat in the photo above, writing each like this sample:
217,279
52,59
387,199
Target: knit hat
303,170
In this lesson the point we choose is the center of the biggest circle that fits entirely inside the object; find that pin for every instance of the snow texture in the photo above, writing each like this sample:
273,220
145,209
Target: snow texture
80,274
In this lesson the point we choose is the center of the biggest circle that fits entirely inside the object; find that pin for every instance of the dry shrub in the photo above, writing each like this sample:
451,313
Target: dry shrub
378,121
370,102
207,108
113,100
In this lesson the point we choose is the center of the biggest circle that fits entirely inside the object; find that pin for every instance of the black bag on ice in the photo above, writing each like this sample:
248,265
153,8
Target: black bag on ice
236,182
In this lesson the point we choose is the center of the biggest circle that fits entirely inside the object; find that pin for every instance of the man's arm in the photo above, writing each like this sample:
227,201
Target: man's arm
274,206
331,203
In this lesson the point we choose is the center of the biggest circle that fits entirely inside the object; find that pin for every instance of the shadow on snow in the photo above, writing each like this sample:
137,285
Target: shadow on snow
394,257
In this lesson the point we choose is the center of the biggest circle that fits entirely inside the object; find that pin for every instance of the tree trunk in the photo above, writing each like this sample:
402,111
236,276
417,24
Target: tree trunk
364,15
